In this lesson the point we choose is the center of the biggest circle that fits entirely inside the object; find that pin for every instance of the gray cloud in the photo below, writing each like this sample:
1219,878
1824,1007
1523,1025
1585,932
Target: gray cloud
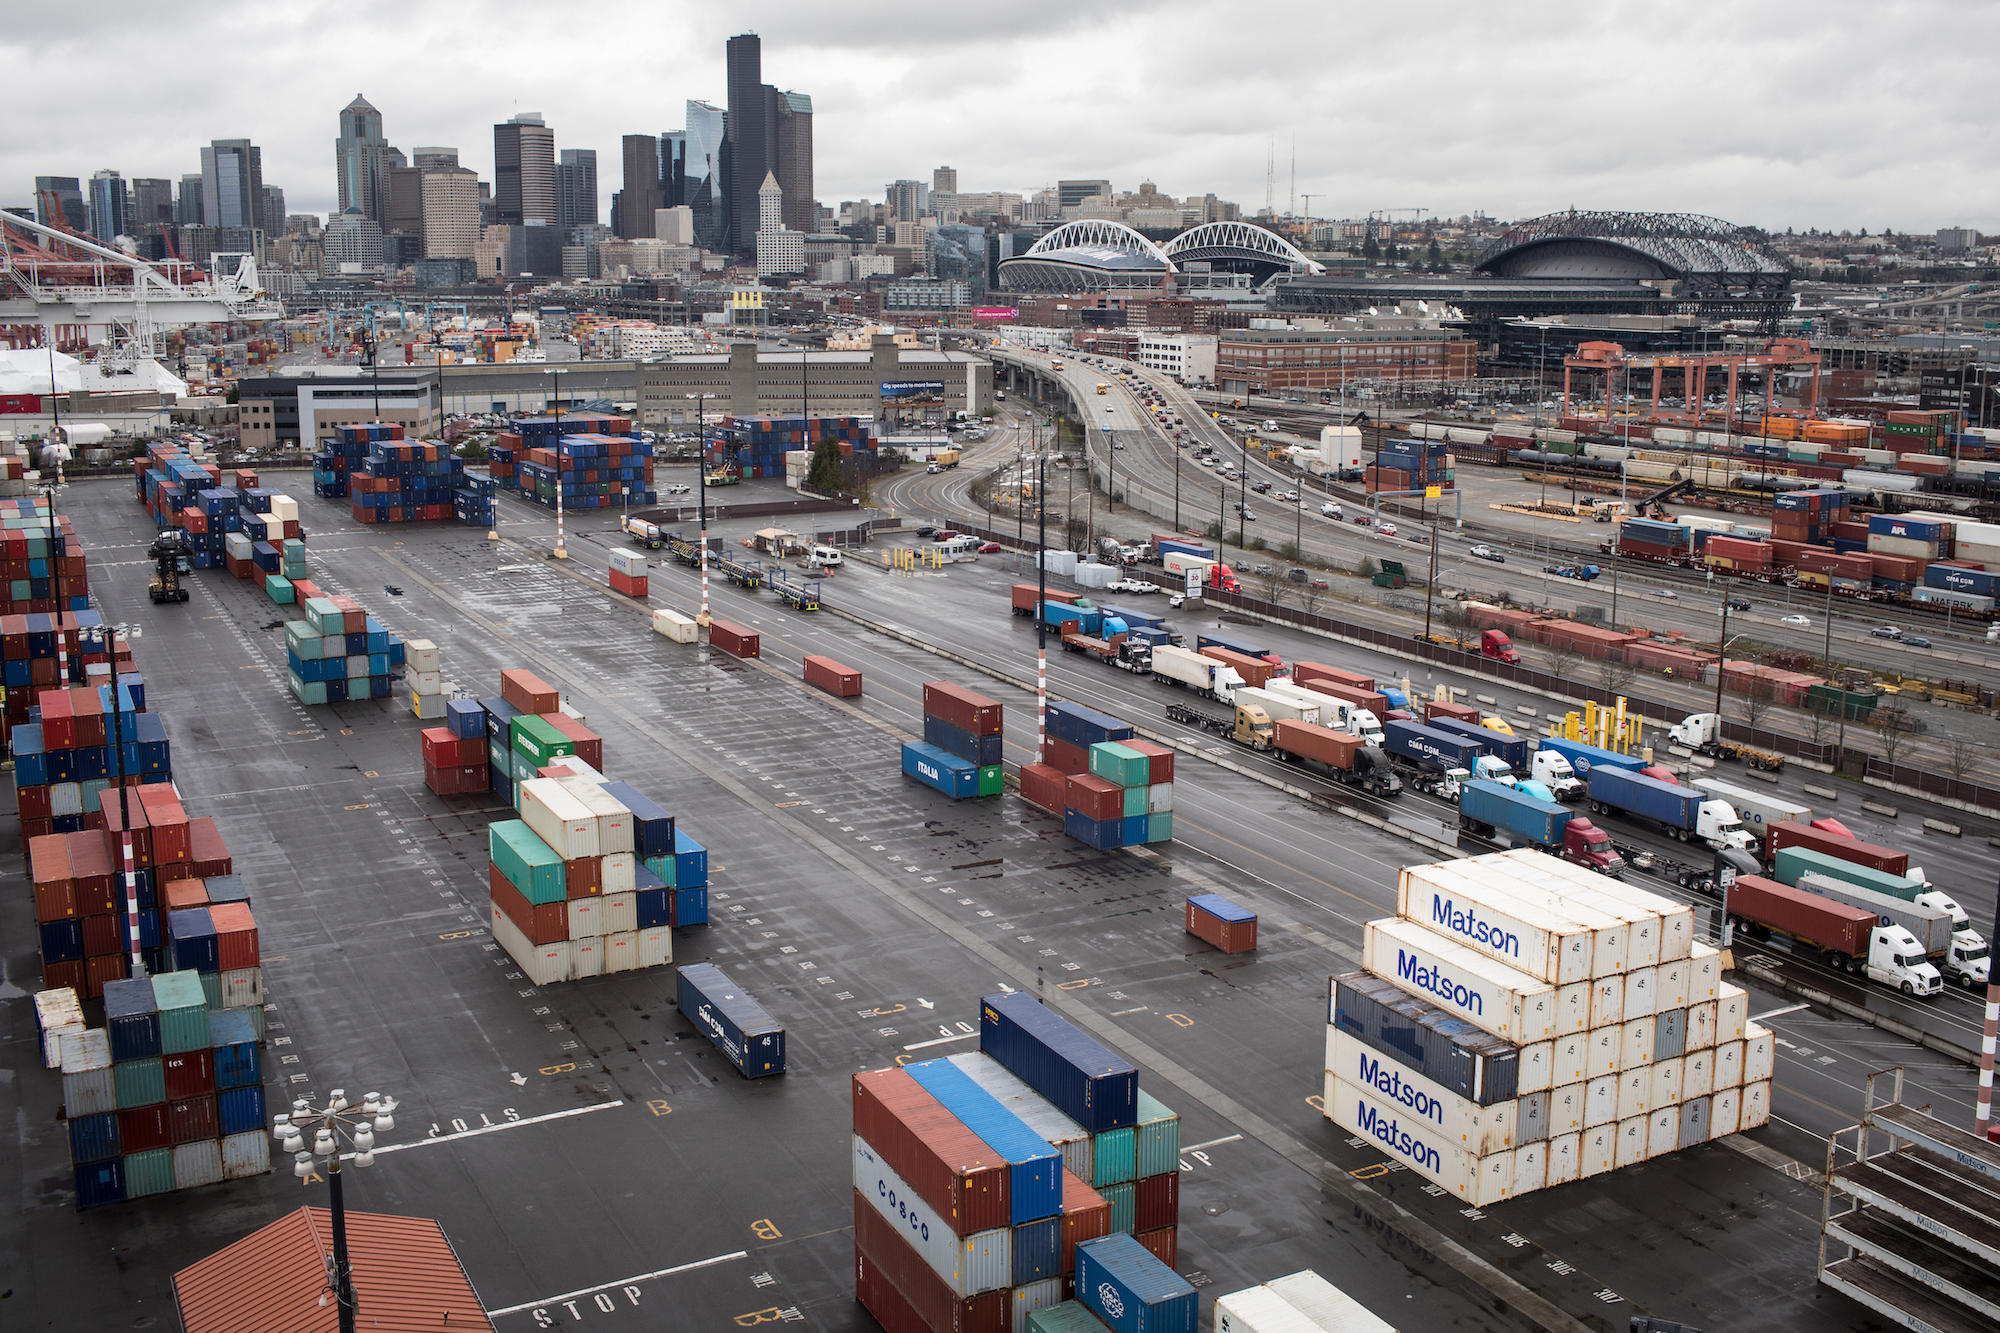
1840,113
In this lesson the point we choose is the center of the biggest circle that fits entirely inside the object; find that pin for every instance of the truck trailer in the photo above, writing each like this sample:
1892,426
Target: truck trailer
1686,813
1849,938
1192,671
1490,809
1345,758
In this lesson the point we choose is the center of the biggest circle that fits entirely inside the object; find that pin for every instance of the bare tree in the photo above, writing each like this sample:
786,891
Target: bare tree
1959,752
1455,619
1274,585
1755,703
1889,730
1614,674
1561,657
1310,599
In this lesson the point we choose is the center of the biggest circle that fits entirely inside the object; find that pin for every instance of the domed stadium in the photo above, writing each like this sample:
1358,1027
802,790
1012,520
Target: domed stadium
1708,259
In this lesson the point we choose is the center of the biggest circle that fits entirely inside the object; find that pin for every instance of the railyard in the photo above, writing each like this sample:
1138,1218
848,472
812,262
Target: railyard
561,1134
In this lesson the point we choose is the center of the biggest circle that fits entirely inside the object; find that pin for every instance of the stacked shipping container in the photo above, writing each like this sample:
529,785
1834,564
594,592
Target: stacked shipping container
961,752
1524,1022
1111,789
1410,465
594,471
756,446
339,652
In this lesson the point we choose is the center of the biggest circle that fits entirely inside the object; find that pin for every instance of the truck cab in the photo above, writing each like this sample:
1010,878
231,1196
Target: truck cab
1969,961
1493,768
1253,726
1530,787
1718,825
1588,845
1496,645
1697,731
1363,723
1553,770
1896,959
1446,784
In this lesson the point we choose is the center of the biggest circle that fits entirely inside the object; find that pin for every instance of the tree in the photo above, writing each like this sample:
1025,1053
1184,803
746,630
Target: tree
1435,259
1614,674
1959,752
824,474
1370,251
1755,703
1310,599
1561,658
1274,584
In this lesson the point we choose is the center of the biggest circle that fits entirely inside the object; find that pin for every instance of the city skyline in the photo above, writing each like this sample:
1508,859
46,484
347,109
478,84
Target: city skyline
1514,111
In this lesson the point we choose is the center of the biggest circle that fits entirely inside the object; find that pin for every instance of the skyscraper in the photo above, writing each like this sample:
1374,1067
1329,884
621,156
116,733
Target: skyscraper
274,211
907,200
745,137
791,121
59,202
673,168
524,170
232,184
451,212
107,205
362,158
702,188
640,154
576,188
152,204
944,180
187,202
770,204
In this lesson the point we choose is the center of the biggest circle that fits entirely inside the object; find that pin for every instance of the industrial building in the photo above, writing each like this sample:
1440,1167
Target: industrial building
294,411
894,384
1271,357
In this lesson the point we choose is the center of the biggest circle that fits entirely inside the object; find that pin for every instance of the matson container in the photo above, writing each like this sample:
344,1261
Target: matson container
1450,1051
1676,918
962,1179
674,627
1217,921
737,1024
1090,1083
1131,1291
969,1265
841,681
1479,1180
893,1282
1476,1129
970,712
1478,911
1491,995
734,639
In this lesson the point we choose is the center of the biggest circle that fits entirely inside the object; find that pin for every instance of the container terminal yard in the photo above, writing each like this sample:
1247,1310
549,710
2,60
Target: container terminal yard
594,1158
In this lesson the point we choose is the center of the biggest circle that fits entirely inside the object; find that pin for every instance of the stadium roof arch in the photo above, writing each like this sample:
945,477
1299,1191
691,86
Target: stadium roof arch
1709,258
1243,247
1086,255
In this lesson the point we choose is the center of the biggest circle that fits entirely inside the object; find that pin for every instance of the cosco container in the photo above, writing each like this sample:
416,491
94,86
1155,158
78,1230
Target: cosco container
1215,920
1035,1170
1062,1133
1395,1132
1445,1048
1131,1291
894,1282
969,1265
1508,1003
1094,1086
752,1040
962,1179
1474,1128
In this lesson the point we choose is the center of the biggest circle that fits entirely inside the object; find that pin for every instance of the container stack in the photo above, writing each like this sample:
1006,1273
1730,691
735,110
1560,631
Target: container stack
1807,516
456,755
1301,1302
984,1183
339,653
1524,1022
960,754
1111,789
1410,465
755,447
423,674
595,471
345,452
401,481
628,573
32,564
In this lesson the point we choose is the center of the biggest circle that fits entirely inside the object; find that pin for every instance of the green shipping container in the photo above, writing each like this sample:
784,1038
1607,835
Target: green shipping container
537,739
529,864
1160,827
992,780
211,990
324,616
663,866
1124,1200
1120,764
1158,1133
521,769
279,588
302,639
1794,862
139,1082
183,1012
1136,799
150,1172
308,691
1112,1158
1069,1317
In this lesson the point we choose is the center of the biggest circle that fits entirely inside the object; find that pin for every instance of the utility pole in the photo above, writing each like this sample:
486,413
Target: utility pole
1041,600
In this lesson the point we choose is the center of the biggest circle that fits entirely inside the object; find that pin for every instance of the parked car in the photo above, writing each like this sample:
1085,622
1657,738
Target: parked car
989,548
1485,552
927,531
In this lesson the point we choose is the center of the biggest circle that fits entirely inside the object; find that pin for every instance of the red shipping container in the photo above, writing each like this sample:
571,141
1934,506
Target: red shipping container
589,745
964,1181
529,692
544,923
1160,760
1086,1215
1043,786
104,968
179,894
734,639
1064,757
1437,708
1094,797
879,1297
1791,833
824,673
1256,671
115,827
1163,1244
631,585
1228,936
98,890
144,1128
55,901
189,1073
33,802
1156,1203
105,933
210,855
70,974
236,935
937,1307
969,712
191,1119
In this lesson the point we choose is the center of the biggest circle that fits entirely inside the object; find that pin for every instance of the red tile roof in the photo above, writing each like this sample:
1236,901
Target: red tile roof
407,1279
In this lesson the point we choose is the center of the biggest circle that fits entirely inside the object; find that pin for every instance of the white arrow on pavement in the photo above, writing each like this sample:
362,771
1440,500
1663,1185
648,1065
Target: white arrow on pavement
518,1080
926,1003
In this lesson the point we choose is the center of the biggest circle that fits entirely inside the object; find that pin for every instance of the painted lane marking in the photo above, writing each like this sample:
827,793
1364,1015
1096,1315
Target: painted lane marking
940,1041
1212,1143
493,1129
623,1281
1776,1013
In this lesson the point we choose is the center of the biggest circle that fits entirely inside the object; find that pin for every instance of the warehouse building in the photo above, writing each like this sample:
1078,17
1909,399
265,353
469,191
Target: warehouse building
894,384
294,411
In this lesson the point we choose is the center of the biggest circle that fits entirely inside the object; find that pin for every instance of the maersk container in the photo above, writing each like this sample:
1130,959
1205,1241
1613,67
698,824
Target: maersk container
1418,744
1475,1064
1121,1283
1491,995
1395,1132
737,1024
1037,1112
1516,750
955,777
1477,908
1093,1085
983,1261
1035,1168
1476,1129
1583,757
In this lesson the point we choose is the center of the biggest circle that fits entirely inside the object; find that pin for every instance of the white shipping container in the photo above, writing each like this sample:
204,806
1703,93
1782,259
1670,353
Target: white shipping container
1531,1168
614,821
197,1163
673,626
1330,1309
1677,934
1600,1101
1478,911
1607,1001
1732,1013
621,951
422,682
1701,1025
586,917
1636,1048
1488,994
65,798
1759,1053
1261,1310
1534,1071
1663,1131
1670,985
1571,1053
1600,1057
1697,1074
620,875
58,1012
421,654
968,1264
621,912
86,1074
1073,1141
568,765
586,957
1728,1065
1756,1106
1600,1149
1725,1110
544,964
1704,973
1635,1093
284,509
1477,1129
1524,877
1565,1158
1477,1180
656,946
1573,1008
243,988
1667,1076
1160,798
1565,1113
1641,995
1632,1141
559,819
245,1154
1032,1296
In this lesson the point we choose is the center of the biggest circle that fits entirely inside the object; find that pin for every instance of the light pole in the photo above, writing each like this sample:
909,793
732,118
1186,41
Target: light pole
555,405
701,494
338,1120
1041,600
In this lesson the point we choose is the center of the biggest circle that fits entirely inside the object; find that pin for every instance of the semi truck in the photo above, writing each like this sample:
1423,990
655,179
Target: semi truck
1514,749
1845,847
1209,573
1702,733
1495,644
1345,758
1280,707
1850,938
1489,809
1553,771
1122,650
1166,543
1686,813
1236,643
1192,671
1759,810
1246,724
1335,712
1307,675
1582,758
1792,863
1258,671
1960,955
1427,747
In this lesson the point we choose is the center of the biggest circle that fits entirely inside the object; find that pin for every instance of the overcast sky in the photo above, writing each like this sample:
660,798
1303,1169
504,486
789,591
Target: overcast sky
1833,113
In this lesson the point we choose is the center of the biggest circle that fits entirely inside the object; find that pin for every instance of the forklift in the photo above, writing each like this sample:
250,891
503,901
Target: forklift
169,553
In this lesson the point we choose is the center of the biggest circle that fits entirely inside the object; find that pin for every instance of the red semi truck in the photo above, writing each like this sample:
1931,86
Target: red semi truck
1495,644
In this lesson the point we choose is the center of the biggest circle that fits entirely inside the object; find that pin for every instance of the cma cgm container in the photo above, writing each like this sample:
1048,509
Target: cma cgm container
1119,1281
1217,921
737,1024
1094,1086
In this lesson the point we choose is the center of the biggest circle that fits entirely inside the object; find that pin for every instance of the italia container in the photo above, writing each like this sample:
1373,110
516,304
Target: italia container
1477,911
1215,920
1508,1003
1447,1049
823,673
1121,1283
1399,1134
969,1265
955,777
1034,1178
1093,1085
1475,1128
737,1024
962,1179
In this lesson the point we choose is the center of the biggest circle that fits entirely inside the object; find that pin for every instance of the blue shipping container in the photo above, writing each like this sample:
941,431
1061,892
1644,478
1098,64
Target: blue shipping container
133,1017
1583,757
1124,1285
240,1110
1445,1048
1419,744
1516,750
740,1028
652,826
1034,1168
232,1039
955,777
1220,907
1902,525
93,1138
690,907
1087,1081
1976,581
99,1183
962,744
1103,835
1037,1251
1084,727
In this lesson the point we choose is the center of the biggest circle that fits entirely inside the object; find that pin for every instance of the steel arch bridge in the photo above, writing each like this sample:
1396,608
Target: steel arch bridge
1099,234
1241,245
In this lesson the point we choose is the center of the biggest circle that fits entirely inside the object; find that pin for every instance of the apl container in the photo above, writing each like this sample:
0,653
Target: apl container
1131,1291
1092,1085
740,1028
1035,1169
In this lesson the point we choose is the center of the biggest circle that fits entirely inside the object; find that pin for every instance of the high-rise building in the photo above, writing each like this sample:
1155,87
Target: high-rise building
524,170
641,196
232,184
673,168
107,205
1069,194
944,180
152,204
770,204
187,201
59,202
745,134
576,188
907,200
434,159
362,159
791,122
451,212
352,243
702,175
274,211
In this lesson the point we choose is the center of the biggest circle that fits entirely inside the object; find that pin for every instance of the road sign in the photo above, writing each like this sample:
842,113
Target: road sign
1433,492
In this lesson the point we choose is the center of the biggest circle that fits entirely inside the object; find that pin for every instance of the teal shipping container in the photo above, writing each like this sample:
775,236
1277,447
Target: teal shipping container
183,1012
1157,1138
529,864
1121,764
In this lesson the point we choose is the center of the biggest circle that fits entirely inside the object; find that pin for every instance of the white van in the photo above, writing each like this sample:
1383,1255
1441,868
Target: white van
958,547
827,557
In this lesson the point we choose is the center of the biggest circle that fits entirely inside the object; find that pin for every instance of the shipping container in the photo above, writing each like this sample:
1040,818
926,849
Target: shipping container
970,712
1156,1138
736,1023
1447,1049
1035,1169
1093,1085
734,639
969,1265
1474,1128
1474,906
884,1259
1508,1003
1131,1291
1326,1308
955,777
1215,920
1478,1180
961,1178
1062,1133
826,674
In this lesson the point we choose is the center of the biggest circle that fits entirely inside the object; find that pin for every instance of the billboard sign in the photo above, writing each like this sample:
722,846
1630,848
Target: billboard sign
913,393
